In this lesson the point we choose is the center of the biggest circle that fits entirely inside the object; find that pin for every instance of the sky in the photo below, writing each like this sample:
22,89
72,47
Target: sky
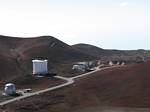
109,24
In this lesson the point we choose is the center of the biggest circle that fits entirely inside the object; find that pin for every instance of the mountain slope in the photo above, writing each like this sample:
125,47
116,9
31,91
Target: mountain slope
90,49
107,55
16,54
126,86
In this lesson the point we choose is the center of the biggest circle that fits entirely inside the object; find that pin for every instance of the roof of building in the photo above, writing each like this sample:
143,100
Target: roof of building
36,60
10,84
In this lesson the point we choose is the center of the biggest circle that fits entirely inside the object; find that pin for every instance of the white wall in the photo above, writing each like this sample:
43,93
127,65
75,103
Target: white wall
40,67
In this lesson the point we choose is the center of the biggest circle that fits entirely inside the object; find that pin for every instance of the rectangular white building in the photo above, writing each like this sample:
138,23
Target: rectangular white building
40,67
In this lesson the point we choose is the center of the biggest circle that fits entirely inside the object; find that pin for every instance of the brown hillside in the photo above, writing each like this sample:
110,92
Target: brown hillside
110,54
126,86
16,54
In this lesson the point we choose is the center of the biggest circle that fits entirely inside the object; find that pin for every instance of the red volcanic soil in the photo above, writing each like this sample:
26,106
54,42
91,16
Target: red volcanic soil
37,83
32,82
126,86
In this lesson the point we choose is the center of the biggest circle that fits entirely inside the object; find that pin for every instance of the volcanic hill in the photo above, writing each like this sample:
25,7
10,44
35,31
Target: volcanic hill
16,54
110,54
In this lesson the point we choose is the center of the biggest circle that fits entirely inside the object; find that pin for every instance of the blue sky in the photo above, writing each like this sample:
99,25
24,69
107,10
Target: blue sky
110,24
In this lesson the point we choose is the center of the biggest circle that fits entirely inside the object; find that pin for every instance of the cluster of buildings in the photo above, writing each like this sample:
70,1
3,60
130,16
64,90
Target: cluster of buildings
85,66
40,67
111,63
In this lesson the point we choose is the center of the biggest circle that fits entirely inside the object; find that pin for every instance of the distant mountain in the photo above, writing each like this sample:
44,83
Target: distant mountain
16,54
90,49
96,51
109,54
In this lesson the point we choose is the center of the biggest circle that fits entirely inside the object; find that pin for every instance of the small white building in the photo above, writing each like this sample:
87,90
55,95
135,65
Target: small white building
99,62
40,67
111,63
10,89
81,66
118,63
123,63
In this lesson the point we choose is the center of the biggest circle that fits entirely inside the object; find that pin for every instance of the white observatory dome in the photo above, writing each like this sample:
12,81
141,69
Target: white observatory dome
10,89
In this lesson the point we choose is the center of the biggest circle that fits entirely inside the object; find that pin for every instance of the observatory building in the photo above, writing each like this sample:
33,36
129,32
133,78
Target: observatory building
40,67
81,66
10,89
